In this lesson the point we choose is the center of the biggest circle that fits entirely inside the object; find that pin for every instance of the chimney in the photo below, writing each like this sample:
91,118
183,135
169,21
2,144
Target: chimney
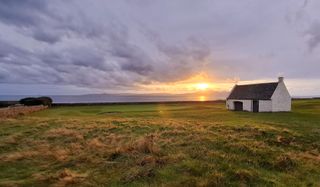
280,79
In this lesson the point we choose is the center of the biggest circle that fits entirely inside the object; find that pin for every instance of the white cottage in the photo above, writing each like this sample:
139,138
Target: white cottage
264,97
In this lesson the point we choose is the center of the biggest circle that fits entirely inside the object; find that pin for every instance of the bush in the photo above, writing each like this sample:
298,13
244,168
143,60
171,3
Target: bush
47,101
31,101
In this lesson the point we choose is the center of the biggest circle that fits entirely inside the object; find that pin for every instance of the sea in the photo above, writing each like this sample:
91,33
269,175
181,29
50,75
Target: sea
118,98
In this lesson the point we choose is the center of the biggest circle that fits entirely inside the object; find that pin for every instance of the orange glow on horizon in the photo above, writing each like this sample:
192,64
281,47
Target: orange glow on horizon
198,83
202,98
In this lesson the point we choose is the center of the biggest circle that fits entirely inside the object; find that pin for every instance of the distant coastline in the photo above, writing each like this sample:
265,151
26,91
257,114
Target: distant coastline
101,99
122,98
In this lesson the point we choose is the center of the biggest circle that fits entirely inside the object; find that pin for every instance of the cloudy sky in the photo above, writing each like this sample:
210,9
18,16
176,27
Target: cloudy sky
155,46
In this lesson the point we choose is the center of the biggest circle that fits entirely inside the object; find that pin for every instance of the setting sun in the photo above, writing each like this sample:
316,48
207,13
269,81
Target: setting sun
202,98
202,86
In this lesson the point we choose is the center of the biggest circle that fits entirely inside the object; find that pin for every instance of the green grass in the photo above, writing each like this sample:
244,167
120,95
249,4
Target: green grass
185,144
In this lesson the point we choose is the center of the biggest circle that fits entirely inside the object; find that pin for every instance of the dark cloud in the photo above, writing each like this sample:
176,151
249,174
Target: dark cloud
137,68
129,56
305,3
22,13
13,55
4,75
314,35
182,60
46,36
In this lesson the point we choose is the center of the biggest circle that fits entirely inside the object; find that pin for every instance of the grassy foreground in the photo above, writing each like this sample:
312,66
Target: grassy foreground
199,144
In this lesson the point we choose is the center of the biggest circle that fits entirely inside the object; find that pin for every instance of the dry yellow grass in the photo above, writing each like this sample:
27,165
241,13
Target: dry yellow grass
63,132
144,145
15,156
96,143
195,146
67,177
10,112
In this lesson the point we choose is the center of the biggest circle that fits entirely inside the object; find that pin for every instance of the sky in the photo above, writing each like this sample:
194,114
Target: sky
157,46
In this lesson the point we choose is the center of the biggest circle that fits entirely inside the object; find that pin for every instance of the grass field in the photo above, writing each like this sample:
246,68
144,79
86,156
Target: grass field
185,144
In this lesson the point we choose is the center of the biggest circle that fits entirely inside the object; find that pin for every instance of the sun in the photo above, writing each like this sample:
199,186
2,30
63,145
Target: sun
202,86
202,98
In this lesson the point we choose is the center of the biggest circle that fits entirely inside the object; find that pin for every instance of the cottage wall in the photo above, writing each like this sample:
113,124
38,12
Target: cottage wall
281,99
247,104
265,105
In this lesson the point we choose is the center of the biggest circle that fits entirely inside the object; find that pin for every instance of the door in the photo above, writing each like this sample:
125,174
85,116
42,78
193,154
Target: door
238,106
255,106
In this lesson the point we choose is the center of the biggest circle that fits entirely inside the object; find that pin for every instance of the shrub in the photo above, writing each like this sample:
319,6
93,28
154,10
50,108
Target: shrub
47,101
31,101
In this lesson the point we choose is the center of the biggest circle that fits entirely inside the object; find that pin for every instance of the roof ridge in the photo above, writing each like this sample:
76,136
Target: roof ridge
257,84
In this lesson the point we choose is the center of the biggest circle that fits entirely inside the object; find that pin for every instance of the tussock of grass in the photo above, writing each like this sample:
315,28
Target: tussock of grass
183,145
63,132
137,173
216,179
244,176
67,176
60,154
96,143
16,156
284,163
145,145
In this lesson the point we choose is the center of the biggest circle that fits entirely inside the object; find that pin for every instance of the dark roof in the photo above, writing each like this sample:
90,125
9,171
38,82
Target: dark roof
262,91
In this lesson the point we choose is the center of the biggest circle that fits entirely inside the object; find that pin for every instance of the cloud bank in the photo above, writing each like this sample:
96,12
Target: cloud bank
121,45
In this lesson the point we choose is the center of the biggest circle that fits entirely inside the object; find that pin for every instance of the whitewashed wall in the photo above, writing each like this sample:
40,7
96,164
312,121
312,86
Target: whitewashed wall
265,105
247,104
281,99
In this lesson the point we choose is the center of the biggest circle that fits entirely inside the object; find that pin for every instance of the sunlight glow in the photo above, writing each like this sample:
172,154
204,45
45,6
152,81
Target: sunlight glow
202,86
198,83
202,98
